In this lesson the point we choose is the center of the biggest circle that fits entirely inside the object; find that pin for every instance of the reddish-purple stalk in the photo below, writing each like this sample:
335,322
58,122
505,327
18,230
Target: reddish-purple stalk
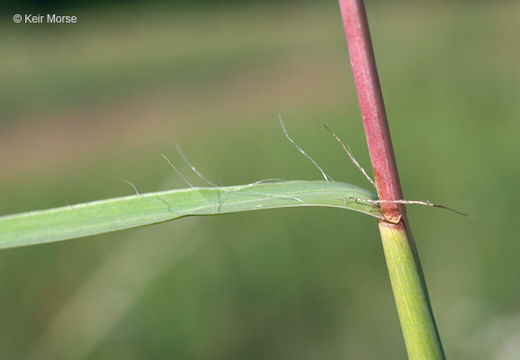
410,292
372,108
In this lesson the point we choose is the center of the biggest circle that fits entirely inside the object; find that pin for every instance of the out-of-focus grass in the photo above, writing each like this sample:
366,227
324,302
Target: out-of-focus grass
85,106
119,53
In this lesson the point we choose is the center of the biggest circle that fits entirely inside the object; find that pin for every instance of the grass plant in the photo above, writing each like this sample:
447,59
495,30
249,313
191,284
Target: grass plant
408,284
414,308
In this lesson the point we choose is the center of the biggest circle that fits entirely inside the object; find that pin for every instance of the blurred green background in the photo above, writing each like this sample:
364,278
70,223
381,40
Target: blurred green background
84,106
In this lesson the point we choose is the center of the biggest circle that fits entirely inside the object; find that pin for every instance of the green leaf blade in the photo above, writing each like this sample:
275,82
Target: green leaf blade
97,217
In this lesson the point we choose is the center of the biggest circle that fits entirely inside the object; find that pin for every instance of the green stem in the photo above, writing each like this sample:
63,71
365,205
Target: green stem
411,295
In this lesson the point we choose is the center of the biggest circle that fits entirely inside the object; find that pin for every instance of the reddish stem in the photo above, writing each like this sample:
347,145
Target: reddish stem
372,108
412,300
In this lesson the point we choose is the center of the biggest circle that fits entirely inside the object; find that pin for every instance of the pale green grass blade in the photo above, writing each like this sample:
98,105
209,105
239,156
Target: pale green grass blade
103,216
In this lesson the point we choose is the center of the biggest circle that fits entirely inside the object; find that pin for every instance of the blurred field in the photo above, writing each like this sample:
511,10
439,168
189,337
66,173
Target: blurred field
85,106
